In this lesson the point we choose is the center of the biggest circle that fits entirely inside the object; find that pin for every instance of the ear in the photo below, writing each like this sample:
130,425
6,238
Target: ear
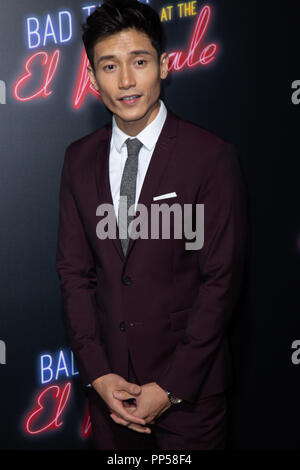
92,77
164,64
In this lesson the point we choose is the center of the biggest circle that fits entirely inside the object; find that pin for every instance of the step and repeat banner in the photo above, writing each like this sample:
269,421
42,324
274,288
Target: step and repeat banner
233,70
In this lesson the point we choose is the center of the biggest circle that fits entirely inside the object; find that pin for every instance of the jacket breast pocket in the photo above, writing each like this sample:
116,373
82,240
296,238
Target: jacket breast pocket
179,319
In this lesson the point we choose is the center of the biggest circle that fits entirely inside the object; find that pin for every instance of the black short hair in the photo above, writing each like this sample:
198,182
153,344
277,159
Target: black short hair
114,16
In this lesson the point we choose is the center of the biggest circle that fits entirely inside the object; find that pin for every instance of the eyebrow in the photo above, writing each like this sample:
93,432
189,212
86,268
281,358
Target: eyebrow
133,53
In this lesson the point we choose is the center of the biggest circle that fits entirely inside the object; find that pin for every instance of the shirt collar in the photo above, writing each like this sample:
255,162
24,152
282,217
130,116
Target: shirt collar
148,136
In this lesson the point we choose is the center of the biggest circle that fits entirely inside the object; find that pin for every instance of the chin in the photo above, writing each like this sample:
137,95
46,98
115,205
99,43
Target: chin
132,115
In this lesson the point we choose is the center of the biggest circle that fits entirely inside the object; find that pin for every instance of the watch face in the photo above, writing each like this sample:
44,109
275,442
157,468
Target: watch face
175,400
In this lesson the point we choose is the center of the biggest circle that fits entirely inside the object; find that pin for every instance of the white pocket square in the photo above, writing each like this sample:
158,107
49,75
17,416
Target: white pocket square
164,196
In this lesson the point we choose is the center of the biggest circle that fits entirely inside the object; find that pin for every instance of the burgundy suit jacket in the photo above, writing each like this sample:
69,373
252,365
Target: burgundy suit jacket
170,307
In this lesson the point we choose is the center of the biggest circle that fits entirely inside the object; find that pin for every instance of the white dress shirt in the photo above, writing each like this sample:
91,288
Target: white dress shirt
118,154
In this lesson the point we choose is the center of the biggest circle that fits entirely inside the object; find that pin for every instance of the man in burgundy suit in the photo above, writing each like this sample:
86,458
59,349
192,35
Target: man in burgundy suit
148,318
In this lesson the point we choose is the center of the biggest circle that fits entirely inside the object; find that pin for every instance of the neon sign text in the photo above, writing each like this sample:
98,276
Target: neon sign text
48,412
197,54
53,31
49,66
206,55
60,397
55,366
89,8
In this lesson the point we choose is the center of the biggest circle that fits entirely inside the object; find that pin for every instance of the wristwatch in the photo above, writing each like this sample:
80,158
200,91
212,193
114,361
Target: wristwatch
173,400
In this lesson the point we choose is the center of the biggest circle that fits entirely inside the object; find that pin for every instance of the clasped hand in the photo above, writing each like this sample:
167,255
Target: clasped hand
150,401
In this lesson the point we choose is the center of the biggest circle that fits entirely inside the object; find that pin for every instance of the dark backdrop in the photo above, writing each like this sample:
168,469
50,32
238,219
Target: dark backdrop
245,96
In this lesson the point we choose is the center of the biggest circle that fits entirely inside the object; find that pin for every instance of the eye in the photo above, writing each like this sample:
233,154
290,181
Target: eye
141,63
109,65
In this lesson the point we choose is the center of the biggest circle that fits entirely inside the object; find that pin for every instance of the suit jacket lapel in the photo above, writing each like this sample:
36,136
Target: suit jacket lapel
161,156
103,182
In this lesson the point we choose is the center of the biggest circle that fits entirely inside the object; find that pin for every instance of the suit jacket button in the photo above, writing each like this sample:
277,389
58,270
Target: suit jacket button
185,340
126,280
122,326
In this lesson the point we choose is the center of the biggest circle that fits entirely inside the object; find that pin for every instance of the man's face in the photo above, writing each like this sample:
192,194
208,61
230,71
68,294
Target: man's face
128,72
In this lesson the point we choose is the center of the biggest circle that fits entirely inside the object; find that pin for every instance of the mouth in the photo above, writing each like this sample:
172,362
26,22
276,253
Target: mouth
130,99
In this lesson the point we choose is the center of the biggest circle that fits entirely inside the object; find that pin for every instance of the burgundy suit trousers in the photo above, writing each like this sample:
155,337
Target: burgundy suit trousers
186,426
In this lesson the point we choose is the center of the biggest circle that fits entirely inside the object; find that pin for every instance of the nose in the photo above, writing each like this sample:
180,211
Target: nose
126,78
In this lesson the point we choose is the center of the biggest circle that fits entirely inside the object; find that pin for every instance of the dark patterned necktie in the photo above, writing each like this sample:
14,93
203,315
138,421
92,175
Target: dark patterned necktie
128,189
